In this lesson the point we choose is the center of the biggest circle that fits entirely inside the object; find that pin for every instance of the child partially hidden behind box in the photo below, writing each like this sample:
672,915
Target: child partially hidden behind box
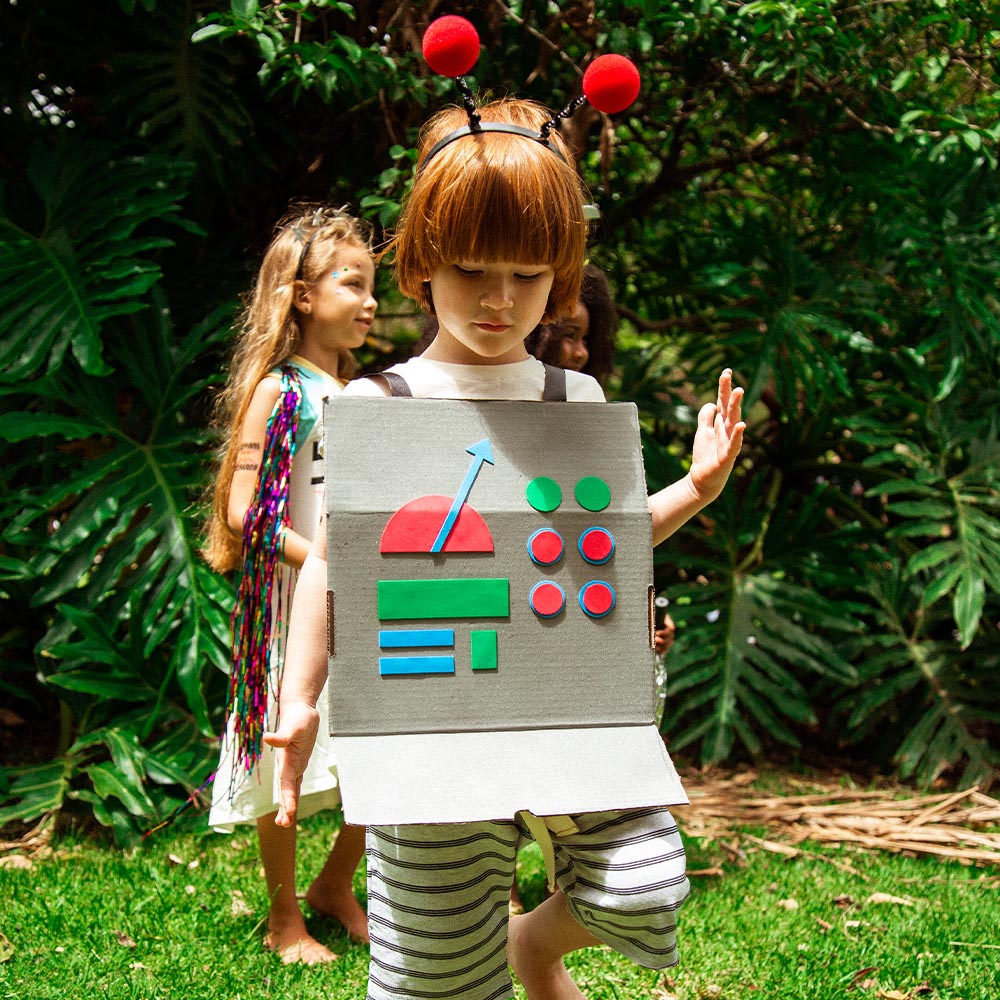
491,241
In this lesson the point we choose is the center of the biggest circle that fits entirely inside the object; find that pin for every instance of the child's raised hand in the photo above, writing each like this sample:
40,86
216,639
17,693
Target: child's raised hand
718,440
295,739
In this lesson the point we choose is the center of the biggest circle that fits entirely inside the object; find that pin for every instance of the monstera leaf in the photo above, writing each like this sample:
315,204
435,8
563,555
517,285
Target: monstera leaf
137,623
754,625
85,257
930,708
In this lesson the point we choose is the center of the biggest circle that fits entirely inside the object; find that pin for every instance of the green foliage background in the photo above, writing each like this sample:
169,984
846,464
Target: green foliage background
806,191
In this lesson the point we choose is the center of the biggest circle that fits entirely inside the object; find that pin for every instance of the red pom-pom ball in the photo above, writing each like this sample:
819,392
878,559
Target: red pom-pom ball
451,45
611,83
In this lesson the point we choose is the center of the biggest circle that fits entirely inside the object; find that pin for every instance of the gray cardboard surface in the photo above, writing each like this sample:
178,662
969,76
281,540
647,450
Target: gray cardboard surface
573,692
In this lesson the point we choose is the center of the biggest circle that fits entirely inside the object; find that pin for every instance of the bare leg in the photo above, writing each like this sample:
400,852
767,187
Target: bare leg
536,945
332,893
516,904
286,927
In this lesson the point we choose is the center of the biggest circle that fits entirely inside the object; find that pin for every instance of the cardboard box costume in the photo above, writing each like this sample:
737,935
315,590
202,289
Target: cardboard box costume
490,610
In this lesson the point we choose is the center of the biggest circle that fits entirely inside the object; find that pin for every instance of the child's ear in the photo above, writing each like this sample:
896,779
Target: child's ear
302,297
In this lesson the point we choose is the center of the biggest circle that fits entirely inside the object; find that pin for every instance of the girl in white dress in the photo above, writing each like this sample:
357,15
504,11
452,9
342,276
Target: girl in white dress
313,303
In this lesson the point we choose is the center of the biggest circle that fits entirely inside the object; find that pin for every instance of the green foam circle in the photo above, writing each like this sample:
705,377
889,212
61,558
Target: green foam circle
543,494
592,493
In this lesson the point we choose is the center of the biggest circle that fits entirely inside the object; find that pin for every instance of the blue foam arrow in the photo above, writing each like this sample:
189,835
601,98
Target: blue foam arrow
480,452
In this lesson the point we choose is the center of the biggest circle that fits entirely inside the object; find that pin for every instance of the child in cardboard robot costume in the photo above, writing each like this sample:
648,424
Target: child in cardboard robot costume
492,241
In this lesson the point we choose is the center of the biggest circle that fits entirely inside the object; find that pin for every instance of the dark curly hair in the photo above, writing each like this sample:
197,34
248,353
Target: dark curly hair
595,293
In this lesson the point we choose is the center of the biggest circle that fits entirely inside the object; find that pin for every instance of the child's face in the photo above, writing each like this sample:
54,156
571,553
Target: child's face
573,353
337,312
485,311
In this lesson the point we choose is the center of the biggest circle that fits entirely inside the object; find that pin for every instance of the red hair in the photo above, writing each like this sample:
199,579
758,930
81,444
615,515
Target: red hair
491,197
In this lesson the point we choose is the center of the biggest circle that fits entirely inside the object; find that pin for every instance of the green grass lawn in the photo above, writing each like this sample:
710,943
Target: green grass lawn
181,918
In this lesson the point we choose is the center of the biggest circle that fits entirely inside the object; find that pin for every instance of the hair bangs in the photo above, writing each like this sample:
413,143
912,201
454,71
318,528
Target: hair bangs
491,197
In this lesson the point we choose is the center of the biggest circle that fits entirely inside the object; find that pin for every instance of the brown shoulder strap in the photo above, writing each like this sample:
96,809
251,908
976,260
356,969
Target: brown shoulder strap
398,385
555,385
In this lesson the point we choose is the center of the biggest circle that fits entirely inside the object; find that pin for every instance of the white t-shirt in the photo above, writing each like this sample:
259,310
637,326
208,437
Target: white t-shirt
517,380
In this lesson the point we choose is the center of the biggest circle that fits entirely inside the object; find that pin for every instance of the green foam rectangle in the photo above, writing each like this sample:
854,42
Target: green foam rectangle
483,649
446,598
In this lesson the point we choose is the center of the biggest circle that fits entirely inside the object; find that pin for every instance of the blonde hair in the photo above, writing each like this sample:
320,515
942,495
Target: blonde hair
302,248
493,196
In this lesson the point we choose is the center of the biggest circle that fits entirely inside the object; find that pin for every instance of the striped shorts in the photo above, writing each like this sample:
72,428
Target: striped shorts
438,895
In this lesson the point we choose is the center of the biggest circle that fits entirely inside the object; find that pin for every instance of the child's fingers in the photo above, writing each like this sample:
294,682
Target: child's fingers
725,388
734,409
707,415
289,784
734,441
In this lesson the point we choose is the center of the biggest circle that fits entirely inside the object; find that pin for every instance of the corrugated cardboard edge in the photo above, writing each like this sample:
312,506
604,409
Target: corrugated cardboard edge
454,777
331,641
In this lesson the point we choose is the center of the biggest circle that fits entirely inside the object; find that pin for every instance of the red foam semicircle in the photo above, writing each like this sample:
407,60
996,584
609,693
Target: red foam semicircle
415,526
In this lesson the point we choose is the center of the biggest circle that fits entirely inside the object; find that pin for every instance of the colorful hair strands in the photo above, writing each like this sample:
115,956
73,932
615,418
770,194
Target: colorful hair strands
260,604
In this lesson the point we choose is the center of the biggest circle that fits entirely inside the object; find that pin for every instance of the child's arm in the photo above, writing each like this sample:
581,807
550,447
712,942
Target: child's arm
717,444
302,682
244,484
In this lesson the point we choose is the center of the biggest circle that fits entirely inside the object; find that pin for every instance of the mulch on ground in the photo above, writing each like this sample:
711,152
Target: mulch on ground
960,825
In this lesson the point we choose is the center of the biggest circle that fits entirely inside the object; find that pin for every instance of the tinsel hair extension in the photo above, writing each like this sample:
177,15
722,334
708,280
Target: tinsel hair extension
260,604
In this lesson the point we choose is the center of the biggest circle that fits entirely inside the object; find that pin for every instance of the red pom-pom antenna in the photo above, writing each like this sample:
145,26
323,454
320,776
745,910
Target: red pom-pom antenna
611,83
451,45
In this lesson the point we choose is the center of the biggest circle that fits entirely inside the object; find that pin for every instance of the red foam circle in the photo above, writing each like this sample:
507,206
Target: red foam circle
597,599
545,547
547,599
451,45
611,83
596,545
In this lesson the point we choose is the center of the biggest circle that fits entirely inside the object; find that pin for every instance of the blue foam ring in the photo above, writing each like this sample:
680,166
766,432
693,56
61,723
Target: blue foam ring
596,562
547,583
538,562
583,590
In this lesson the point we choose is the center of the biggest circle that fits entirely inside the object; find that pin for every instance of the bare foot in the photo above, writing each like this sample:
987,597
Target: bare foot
542,976
305,949
342,907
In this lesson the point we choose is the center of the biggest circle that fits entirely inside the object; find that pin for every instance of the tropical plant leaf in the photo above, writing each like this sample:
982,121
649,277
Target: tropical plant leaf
87,258
929,707
35,790
189,99
942,496
138,625
749,634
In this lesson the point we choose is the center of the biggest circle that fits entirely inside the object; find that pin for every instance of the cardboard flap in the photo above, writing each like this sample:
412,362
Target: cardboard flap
459,777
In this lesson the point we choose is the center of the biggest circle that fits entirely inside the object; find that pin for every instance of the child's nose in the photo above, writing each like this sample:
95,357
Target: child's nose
497,295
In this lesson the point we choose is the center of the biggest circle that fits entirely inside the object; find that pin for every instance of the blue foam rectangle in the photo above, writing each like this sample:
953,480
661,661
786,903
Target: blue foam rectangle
416,637
392,666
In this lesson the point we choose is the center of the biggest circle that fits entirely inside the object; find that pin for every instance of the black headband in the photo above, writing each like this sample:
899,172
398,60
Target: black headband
302,256
481,126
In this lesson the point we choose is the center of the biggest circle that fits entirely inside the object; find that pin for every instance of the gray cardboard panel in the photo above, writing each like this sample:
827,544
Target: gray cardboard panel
577,689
